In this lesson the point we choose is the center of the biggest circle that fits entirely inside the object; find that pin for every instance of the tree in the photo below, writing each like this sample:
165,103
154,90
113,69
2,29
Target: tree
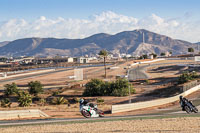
24,99
154,55
145,56
190,50
162,54
10,89
35,87
104,54
94,88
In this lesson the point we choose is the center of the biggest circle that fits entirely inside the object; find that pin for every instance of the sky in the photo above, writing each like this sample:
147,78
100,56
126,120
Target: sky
178,19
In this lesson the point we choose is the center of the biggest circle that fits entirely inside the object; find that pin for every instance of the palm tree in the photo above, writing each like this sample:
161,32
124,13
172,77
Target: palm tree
104,54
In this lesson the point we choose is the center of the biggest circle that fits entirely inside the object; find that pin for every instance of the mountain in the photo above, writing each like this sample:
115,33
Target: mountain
124,42
3,43
198,43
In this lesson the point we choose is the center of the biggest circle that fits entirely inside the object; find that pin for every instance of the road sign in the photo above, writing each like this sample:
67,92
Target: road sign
78,74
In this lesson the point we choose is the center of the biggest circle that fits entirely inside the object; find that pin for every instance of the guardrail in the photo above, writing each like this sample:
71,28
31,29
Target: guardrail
23,74
18,114
143,62
147,104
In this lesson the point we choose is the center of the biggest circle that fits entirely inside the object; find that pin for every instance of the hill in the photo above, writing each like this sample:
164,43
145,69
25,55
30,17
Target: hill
124,42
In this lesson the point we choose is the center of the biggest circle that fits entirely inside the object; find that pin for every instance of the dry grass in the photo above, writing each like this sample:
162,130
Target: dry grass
167,125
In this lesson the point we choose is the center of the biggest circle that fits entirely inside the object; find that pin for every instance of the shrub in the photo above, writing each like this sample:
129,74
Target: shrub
97,87
59,100
120,87
24,99
5,102
147,81
186,76
100,100
35,87
42,101
55,93
76,100
94,88
10,89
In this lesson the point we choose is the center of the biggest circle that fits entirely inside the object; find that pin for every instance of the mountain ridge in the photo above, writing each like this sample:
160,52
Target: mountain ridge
130,42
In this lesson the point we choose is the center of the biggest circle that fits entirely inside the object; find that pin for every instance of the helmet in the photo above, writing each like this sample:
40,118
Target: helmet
81,101
181,97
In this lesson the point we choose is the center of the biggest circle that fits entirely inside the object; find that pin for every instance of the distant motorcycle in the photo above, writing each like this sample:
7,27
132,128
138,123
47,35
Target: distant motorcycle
187,106
90,110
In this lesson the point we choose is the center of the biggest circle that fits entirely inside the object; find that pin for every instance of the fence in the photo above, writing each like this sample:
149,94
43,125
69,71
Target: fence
147,104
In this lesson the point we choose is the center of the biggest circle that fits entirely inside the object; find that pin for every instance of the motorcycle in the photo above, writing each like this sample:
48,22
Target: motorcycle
189,107
87,111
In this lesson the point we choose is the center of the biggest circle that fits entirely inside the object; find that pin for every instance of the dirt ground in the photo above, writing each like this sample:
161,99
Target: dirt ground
165,125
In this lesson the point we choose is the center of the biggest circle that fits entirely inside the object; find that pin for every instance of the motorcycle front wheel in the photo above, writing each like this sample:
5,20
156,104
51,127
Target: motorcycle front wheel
101,113
85,113
195,110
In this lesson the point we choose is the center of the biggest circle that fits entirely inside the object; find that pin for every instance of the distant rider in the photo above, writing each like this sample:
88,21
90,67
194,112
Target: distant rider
183,102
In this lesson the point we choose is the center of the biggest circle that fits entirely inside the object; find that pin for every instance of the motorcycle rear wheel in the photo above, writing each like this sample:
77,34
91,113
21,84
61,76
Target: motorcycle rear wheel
85,113
187,109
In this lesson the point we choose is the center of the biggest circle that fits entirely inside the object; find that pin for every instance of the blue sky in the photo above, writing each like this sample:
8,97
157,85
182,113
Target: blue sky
30,9
13,12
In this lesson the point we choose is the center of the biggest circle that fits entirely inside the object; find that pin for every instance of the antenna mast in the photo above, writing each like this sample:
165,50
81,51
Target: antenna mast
143,38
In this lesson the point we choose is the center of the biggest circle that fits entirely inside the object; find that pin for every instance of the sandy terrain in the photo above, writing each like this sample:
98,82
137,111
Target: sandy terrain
166,125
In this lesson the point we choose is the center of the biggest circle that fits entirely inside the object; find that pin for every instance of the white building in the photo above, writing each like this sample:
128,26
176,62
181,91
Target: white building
83,60
70,59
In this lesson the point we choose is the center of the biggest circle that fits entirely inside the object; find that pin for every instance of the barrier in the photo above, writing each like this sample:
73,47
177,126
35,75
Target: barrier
23,74
143,62
147,104
18,114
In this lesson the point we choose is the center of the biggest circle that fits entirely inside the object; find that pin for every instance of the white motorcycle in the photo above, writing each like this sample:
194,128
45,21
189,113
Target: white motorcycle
88,111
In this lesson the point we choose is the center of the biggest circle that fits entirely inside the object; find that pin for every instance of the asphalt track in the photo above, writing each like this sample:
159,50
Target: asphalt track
46,73
106,118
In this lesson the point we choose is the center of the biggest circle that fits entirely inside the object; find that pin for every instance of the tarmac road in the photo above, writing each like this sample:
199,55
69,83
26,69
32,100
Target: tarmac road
138,72
169,113
46,73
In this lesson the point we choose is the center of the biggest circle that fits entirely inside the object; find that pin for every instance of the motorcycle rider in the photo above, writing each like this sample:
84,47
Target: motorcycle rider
183,101
84,102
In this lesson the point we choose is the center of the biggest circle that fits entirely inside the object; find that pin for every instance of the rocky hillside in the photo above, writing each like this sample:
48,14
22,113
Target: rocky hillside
124,42
3,43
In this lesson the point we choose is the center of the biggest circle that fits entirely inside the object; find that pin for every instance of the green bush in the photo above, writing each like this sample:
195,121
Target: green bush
97,87
42,101
94,88
10,89
5,102
100,100
55,93
76,100
186,76
24,99
120,87
35,87
59,100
